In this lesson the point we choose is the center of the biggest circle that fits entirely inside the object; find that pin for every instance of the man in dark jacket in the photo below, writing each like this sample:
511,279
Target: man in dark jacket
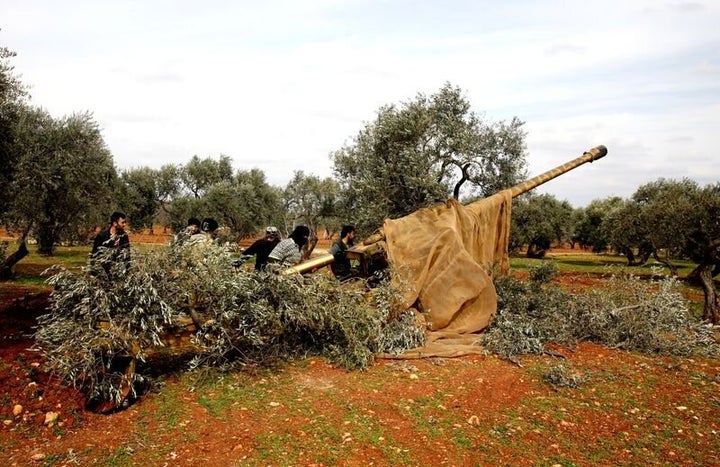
341,265
114,236
112,244
262,247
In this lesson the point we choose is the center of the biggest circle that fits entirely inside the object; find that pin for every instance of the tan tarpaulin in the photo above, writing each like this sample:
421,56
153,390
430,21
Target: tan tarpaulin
445,255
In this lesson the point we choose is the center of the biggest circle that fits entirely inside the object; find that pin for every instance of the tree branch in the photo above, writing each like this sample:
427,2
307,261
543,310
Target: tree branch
465,176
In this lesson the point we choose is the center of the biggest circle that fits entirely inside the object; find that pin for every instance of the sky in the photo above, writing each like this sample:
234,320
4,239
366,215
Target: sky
281,84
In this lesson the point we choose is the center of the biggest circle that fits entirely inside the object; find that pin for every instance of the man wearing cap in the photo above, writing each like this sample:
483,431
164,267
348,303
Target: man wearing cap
262,247
288,252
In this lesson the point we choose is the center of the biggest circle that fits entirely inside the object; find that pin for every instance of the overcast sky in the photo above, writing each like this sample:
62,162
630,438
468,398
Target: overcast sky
278,85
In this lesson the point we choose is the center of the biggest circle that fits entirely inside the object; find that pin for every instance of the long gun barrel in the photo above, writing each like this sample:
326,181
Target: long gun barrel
588,156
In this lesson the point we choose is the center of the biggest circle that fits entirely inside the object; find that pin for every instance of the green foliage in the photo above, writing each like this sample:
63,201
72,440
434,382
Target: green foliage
243,203
101,315
538,222
63,180
198,175
634,314
643,315
674,219
529,315
544,273
703,238
421,152
12,94
311,201
137,197
594,224
562,376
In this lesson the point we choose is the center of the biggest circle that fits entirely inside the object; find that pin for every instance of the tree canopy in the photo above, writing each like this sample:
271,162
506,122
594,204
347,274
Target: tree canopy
63,177
421,152
12,94
311,201
538,221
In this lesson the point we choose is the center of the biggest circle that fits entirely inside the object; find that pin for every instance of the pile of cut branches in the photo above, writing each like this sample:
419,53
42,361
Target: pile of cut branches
114,310
626,312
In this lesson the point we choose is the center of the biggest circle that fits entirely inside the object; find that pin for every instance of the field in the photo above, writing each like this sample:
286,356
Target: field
588,405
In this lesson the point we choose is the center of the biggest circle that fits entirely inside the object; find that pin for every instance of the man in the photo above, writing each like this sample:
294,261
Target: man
262,248
341,265
208,235
114,237
287,252
193,228
112,244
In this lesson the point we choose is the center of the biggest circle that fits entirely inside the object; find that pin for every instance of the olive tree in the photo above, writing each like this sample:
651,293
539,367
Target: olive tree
243,204
675,219
666,209
702,245
590,230
627,234
63,179
538,221
421,152
200,174
312,201
12,95
137,196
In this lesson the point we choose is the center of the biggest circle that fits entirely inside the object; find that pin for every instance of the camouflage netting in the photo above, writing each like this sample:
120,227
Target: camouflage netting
447,255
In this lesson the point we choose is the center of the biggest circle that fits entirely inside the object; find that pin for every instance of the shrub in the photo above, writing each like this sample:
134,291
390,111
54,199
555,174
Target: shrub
562,376
627,312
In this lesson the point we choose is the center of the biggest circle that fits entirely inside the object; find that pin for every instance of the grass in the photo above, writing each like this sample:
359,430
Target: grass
595,264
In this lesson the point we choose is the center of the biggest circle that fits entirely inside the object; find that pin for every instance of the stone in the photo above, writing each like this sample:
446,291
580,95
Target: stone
50,417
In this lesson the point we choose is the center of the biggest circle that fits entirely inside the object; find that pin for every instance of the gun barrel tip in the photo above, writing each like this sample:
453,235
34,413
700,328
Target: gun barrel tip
598,152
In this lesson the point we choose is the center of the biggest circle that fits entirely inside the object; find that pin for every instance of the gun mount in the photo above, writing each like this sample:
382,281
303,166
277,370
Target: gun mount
371,254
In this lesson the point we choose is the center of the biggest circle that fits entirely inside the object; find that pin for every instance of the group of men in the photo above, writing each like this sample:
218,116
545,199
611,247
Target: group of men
197,232
270,249
288,252
114,241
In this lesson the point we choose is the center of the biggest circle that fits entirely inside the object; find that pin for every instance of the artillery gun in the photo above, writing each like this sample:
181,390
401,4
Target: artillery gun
371,254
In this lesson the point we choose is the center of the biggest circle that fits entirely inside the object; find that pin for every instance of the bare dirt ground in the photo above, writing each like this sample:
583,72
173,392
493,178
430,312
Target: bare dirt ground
633,409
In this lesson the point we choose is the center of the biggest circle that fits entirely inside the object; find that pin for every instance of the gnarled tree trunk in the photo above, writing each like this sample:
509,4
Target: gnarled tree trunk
694,276
535,251
666,262
643,256
6,271
47,235
711,308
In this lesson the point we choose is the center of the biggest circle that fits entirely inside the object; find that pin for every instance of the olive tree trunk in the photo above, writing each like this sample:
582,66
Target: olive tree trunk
6,266
711,308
